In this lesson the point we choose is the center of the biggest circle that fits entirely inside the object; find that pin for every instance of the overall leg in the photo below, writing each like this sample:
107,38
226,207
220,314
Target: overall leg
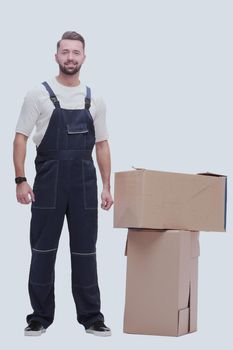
83,225
45,230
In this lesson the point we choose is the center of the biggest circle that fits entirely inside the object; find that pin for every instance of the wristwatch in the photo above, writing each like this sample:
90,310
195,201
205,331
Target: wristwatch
20,179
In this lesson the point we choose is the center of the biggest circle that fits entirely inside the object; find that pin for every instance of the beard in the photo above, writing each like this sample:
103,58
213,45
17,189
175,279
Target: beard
69,70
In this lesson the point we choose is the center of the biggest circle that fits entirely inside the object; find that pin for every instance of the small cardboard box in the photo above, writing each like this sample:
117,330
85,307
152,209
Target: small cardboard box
164,200
161,282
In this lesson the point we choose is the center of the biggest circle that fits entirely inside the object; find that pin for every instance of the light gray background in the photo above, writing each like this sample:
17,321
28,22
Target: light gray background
164,69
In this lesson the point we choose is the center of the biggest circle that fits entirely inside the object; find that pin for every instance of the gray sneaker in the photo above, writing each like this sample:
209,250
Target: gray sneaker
99,328
34,328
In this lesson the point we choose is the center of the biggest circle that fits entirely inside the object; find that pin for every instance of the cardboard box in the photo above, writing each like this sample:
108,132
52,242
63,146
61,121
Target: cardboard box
161,282
164,200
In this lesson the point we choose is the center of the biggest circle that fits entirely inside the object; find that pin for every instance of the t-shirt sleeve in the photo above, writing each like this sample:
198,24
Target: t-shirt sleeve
101,131
28,114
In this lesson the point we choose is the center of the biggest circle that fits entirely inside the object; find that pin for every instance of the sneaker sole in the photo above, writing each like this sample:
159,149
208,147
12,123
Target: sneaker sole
100,334
34,333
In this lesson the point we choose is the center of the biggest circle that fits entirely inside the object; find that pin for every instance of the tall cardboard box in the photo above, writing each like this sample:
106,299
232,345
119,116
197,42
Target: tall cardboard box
164,200
161,282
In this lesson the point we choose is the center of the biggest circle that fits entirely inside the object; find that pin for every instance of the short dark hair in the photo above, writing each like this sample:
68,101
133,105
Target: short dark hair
72,36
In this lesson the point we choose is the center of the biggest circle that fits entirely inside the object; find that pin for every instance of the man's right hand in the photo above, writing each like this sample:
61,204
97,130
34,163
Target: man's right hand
23,191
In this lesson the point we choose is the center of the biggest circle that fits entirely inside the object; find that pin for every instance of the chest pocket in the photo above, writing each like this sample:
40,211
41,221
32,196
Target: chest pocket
77,136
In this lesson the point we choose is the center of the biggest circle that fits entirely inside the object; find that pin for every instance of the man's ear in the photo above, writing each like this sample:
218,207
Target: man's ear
56,58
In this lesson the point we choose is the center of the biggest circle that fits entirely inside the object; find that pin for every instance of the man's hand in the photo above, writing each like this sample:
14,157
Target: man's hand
104,162
22,192
106,198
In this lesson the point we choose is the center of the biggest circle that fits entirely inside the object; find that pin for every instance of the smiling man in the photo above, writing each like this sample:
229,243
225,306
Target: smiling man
70,120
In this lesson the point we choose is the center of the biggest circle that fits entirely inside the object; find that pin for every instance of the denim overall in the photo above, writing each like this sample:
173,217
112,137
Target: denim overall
65,184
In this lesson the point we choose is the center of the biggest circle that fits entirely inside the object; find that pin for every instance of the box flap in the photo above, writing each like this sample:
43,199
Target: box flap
195,245
193,295
138,168
126,246
211,174
183,322
225,210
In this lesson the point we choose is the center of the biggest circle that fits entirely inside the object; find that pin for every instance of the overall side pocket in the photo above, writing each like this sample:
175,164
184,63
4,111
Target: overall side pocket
90,191
45,185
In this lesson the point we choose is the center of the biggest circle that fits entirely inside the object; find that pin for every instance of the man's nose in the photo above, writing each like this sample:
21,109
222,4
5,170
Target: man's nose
70,56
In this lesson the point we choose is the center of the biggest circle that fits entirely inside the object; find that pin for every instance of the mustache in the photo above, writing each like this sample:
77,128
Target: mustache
71,62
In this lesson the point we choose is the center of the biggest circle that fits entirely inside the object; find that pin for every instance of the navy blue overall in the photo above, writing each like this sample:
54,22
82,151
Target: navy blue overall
65,184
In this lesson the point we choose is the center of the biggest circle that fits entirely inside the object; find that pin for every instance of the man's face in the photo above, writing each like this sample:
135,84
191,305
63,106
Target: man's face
70,56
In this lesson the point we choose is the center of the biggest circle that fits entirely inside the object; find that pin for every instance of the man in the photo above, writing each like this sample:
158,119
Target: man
69,123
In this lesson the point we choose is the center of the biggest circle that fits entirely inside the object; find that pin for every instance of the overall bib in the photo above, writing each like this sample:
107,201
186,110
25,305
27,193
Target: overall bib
65,184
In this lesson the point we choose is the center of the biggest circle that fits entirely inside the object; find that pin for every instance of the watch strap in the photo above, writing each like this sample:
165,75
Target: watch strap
20,179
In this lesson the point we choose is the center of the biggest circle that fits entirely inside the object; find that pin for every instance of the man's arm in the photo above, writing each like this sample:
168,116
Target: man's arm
19,155
104,163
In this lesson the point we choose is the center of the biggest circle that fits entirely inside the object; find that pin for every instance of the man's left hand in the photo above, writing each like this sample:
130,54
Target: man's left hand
106,198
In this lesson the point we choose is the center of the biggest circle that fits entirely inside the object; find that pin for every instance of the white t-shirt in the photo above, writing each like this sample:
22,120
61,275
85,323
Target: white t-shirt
37,109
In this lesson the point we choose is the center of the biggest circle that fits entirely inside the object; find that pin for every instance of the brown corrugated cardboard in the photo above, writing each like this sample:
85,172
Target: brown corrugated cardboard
164,200
161,282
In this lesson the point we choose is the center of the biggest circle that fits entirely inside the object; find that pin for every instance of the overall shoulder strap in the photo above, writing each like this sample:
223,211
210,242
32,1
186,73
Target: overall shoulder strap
52,95
88,98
